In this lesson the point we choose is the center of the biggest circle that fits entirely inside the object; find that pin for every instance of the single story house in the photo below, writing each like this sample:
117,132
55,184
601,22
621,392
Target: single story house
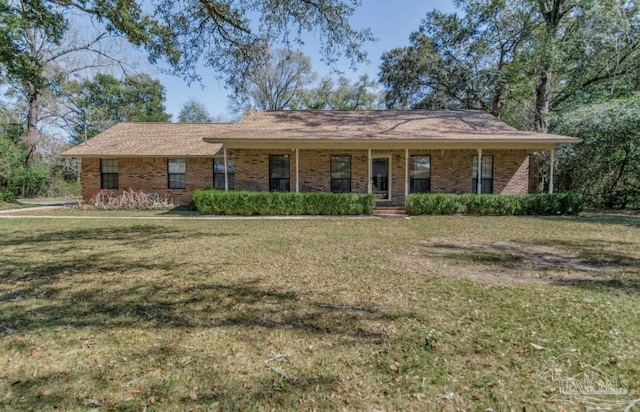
390,153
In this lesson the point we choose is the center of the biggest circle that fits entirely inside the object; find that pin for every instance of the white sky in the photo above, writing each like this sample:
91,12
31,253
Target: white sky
390,21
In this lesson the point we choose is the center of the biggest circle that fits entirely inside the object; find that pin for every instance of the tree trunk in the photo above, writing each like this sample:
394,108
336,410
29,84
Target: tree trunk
543,96
31,139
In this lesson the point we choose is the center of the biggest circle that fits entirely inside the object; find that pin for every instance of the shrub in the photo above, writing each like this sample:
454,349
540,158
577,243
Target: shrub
484,205
129,199
217,202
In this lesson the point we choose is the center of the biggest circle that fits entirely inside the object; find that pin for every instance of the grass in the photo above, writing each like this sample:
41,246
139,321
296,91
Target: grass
431,313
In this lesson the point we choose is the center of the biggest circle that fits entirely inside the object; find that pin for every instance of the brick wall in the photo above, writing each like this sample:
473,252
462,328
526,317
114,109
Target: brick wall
149,175
450,172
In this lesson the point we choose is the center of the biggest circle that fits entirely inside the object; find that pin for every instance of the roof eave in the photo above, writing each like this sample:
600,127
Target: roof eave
258,143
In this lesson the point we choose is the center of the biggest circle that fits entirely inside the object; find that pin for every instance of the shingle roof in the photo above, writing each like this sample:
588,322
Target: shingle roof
152,140
265,127
427,125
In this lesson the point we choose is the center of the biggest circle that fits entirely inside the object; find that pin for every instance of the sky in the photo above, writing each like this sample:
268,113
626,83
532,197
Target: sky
390,21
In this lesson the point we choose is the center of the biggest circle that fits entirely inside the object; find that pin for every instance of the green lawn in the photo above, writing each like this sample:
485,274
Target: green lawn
430,313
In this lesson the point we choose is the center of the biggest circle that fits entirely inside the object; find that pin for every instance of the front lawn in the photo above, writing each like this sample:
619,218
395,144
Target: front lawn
430,313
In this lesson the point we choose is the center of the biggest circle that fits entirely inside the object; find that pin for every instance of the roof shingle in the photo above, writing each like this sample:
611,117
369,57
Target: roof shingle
186,139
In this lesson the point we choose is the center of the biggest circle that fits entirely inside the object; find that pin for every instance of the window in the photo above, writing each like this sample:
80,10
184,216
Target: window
279,173
109,173
486,175
177,169
420,174
340,174
218,173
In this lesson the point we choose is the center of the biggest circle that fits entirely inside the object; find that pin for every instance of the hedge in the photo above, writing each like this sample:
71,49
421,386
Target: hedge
485,205
217,202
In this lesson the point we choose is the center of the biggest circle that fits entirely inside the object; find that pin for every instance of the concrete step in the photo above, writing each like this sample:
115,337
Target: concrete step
394,211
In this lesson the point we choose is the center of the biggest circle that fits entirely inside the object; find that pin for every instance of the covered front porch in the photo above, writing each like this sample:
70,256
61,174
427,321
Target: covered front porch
388,173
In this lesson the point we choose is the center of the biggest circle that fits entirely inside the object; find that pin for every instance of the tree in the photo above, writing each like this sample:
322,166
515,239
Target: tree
458,62
606,167
226,35
507,54
344,95
272,83
193,111
105,100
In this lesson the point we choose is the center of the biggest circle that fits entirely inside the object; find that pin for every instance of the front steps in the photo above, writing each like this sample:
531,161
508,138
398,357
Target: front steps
389,211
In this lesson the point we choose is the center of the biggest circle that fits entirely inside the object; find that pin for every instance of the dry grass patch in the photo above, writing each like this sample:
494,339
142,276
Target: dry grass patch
422,314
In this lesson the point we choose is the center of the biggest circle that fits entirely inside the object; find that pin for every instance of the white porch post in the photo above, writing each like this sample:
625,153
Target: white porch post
369,189
551,167
406,172
297,170
226,177
479,182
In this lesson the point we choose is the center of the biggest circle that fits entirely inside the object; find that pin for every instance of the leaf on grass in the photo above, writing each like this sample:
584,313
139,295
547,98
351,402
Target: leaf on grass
538,347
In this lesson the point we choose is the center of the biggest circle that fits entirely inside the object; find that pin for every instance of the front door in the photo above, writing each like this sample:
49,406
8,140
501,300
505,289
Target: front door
380,178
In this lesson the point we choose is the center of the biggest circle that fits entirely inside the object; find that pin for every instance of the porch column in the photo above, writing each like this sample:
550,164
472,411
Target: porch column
479,180
226,177
369,189
406,172
551,167
297,170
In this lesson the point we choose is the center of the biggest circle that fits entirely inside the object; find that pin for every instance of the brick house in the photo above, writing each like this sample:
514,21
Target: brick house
387,152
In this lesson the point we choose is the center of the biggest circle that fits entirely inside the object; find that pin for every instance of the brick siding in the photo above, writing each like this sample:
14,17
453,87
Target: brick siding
451,172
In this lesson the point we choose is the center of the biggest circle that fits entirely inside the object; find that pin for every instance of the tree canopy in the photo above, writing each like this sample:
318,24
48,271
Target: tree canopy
606,167
106,100
194,111
338,95
517,59
229,36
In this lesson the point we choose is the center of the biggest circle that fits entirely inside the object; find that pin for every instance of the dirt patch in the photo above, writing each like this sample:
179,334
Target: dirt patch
522,262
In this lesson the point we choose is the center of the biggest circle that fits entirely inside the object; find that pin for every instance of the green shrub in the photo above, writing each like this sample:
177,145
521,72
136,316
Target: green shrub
502,205
217,202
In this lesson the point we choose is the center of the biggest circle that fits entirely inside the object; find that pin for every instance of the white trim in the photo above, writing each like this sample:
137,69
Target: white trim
406,172
389,175
551,167
479,176
226,176
369,177
297,171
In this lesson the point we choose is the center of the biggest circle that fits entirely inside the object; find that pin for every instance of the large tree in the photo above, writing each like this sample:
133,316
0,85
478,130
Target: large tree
97,104
503,55
194,111
230,36
606,167
342,94
271,84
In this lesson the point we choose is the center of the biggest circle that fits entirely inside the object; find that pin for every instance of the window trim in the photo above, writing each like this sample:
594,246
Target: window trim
183,181
335,179
485,181
109,175
412,180
276,188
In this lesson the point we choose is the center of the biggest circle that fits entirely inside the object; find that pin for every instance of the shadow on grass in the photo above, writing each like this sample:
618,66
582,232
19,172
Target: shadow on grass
46,392
591,263
604,219
139,235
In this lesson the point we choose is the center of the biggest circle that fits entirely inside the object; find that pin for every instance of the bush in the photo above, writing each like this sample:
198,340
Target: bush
217,202
502,205
128,200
